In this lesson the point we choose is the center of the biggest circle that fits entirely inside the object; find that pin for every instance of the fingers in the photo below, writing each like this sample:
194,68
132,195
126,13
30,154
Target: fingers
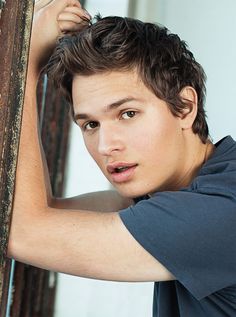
57,5
66,26
74,3
73,19
69,17
62,4
52,18
75,11
69,14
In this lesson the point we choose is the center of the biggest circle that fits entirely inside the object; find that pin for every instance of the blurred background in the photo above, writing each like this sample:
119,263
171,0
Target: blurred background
208,27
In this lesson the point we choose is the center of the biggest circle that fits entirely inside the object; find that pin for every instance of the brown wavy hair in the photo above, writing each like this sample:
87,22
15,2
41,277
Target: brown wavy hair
162,60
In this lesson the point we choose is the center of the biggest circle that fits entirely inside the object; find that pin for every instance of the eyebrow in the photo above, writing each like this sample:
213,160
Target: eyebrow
114,105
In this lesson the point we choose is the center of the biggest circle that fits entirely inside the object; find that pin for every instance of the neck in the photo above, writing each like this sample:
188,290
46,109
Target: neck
198,154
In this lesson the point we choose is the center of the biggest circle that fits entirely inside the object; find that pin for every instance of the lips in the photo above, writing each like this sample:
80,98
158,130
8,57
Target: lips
121,171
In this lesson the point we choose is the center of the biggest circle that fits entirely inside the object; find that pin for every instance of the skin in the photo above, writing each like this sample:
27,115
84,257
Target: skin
95,243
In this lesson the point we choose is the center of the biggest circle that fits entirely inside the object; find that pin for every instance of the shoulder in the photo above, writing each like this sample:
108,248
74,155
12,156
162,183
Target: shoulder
218,175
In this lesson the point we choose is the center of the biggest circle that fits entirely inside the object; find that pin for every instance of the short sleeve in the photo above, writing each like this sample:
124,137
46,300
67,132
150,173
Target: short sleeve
192,234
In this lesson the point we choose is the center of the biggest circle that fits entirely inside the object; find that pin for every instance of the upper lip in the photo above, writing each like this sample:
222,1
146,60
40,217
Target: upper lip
111,168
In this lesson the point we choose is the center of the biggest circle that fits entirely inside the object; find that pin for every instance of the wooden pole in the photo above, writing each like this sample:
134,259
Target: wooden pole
15,27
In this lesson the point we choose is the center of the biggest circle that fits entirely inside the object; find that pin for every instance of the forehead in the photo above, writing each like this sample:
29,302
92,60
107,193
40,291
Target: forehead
107,87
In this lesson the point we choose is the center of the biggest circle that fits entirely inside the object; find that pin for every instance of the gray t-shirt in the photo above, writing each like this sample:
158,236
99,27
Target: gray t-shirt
192,232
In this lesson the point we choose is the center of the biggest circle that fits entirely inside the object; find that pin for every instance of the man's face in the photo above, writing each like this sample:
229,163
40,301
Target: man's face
130,133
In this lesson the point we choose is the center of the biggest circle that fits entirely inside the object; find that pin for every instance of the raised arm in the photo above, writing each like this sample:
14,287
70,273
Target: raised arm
104,201
83,243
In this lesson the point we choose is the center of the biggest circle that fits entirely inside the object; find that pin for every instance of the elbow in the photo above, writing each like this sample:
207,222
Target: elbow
26,230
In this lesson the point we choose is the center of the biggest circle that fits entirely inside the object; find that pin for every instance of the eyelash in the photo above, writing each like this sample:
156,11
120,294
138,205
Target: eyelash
129,111
86,125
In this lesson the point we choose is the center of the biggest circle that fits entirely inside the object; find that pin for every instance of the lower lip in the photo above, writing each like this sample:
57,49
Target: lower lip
123,176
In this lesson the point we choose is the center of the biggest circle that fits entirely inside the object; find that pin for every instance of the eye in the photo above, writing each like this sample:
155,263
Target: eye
128,114
90,125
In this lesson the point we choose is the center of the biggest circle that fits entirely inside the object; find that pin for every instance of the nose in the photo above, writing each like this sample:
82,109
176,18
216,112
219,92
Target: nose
110,140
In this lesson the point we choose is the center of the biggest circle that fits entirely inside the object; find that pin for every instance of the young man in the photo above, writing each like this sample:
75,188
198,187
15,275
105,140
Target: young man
138,96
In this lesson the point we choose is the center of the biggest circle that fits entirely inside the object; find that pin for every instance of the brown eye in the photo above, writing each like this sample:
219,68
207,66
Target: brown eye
90,125
128,114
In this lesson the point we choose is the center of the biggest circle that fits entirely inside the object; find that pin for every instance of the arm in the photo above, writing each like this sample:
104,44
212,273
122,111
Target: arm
105,201
89,244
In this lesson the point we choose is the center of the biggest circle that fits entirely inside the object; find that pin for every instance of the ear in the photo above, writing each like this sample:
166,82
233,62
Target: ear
189,96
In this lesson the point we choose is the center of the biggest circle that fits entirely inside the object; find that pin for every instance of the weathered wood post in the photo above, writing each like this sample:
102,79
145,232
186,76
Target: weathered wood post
15,26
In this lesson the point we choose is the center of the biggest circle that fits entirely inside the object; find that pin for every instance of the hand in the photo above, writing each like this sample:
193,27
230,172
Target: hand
53,18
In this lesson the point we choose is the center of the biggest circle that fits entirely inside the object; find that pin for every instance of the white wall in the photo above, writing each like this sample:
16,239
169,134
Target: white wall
208,26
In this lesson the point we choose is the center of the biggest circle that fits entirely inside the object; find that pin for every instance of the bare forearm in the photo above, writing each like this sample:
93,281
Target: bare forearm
31,189
105,201
31,169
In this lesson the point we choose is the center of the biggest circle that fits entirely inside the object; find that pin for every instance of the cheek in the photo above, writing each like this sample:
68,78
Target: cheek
158,141
155,133
167,127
